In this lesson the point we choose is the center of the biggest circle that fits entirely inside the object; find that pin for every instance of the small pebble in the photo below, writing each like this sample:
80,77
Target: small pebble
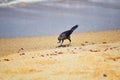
47,54
22,48
60,52
55,51
75,48
86,41
83,44
104,75
42,55
104,42
33,57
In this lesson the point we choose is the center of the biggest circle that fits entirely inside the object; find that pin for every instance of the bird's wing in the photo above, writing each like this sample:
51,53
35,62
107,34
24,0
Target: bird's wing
63,35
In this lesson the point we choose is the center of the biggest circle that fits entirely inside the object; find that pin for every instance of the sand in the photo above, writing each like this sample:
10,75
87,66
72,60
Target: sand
91,56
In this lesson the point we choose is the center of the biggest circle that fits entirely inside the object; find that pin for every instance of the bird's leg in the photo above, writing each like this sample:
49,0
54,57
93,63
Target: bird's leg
69,41
61,42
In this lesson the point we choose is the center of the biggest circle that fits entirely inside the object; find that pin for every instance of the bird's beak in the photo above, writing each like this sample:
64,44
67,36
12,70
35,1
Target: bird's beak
58,42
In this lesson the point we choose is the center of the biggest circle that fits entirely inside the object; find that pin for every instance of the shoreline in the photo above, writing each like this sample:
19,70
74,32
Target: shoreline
8,37
12,45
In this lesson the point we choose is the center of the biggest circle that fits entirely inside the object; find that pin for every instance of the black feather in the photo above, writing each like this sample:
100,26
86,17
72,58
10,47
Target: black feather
66,34
74,27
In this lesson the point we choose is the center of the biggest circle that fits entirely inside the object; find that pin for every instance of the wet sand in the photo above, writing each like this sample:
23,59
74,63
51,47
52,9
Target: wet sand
93,55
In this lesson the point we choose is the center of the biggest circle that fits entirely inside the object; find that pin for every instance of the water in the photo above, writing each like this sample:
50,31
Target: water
51,17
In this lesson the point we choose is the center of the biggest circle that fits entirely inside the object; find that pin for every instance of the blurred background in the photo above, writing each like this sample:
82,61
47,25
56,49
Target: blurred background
22,18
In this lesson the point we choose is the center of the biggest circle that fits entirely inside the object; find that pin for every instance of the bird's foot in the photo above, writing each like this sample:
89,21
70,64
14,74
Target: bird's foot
59,46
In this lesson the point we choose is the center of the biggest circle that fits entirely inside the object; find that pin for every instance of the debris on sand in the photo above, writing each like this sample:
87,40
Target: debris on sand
73,52
22,54
94,50
106,49
6,60
110,48
60,52
42,56
33,57
75,48
47,54
104,75
82,44
114,58
113,48
92,43
104,42
55,51
86,41
20,50
53,54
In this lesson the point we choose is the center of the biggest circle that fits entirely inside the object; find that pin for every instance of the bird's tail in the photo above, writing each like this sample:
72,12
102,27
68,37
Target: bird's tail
74,27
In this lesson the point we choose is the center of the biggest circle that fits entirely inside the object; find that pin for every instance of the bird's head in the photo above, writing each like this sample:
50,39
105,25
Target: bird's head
59,40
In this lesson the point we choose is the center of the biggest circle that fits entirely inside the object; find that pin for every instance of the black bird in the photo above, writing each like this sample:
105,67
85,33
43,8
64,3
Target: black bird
66,35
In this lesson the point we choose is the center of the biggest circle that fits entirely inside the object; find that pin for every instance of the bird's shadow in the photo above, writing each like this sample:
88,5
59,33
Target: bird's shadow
65,45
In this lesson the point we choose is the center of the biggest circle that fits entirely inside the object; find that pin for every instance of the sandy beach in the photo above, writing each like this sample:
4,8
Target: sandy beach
91,56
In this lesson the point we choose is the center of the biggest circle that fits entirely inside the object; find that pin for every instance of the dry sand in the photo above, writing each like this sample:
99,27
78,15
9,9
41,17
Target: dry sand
91,56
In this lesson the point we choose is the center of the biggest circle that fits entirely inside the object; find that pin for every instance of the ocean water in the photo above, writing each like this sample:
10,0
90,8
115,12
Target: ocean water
50,17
